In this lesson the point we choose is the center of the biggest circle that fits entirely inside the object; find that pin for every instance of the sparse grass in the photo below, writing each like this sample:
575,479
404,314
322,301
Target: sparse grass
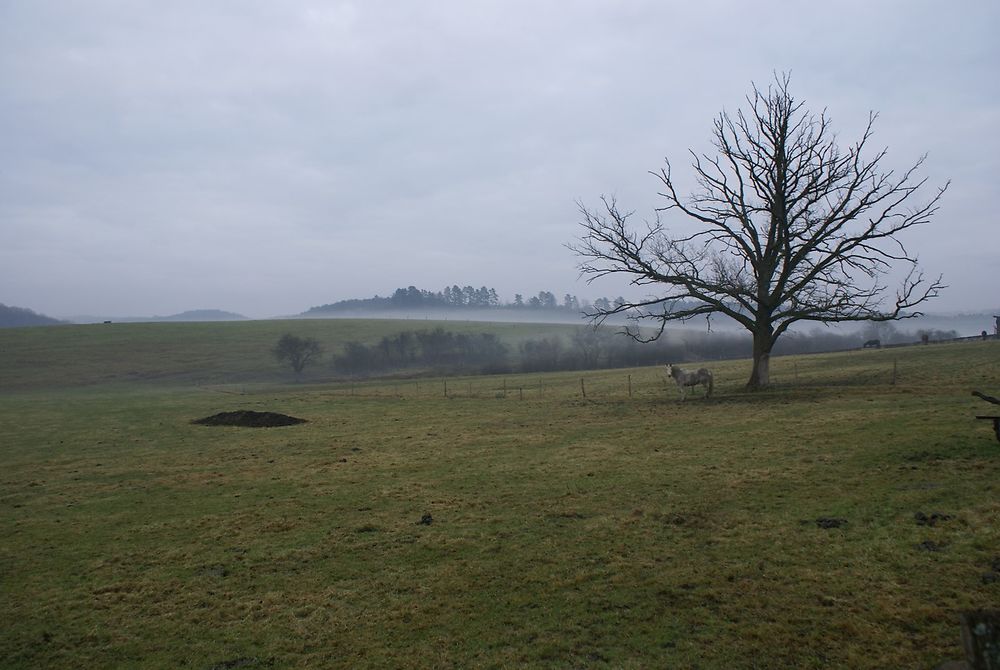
611,531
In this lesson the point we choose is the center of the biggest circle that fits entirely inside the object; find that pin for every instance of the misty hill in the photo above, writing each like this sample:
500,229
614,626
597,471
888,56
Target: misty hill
14,317
472,303
965,323
188,316
202,315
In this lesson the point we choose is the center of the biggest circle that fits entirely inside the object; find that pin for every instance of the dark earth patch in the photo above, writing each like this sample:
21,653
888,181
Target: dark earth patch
249,419
826,522
994,576
218,571
245,662
931,519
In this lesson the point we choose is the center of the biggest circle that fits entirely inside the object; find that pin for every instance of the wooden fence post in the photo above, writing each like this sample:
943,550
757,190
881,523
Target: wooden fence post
981,639
630,386
583,389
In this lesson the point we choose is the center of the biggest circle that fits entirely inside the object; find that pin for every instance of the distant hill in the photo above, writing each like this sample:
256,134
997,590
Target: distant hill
966,324
14,317
190,315
202,315
469,302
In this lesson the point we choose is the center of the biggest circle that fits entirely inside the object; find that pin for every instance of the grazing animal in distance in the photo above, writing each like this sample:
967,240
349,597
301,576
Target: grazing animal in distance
876,344
689,379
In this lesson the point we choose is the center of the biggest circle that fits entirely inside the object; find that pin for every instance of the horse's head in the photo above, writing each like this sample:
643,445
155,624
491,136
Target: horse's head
670,369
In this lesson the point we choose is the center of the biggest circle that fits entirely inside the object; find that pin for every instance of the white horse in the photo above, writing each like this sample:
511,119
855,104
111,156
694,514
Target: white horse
686,380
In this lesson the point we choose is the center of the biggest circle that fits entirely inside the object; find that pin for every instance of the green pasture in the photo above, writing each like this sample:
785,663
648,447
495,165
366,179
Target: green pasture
231,352
618,529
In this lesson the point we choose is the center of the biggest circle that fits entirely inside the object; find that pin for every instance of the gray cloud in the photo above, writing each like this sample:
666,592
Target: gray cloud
268,156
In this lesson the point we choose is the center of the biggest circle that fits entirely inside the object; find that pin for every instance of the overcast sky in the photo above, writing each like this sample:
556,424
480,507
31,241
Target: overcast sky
268,156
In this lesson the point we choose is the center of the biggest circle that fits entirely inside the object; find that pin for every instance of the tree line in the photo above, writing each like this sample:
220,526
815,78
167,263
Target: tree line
462,297
438,350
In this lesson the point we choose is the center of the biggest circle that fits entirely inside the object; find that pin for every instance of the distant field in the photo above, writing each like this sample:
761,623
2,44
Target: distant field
189,353
620,529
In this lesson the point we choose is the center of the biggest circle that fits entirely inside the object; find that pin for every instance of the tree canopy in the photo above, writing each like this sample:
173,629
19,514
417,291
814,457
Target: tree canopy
297,351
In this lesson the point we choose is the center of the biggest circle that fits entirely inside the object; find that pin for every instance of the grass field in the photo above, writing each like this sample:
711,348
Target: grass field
613,530
198,353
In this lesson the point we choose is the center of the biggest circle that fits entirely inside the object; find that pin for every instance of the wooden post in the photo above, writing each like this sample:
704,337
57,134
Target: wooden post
445,388
894,372
987,398
520,393
583,389
630,386
981,639
994,418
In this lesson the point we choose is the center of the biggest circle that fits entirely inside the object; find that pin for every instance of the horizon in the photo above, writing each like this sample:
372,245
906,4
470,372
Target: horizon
961,321
506,305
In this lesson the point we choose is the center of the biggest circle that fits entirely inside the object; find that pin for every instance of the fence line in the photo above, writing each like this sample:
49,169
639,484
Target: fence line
594,387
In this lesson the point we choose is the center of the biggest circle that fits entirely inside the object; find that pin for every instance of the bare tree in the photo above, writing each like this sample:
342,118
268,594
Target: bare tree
297,351
788,228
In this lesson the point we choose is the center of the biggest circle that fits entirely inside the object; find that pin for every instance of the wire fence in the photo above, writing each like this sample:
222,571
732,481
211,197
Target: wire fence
583,385
617,385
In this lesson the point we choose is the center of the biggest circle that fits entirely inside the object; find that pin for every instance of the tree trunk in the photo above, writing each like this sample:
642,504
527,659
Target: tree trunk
760,377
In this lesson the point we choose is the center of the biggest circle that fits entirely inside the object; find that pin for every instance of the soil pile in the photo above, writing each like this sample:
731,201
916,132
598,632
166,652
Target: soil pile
249,419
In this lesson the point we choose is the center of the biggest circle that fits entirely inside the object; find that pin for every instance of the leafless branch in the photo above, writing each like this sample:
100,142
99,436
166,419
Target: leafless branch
790,227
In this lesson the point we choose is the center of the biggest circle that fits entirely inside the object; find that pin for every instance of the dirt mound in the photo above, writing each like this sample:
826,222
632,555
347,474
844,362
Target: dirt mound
249,419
